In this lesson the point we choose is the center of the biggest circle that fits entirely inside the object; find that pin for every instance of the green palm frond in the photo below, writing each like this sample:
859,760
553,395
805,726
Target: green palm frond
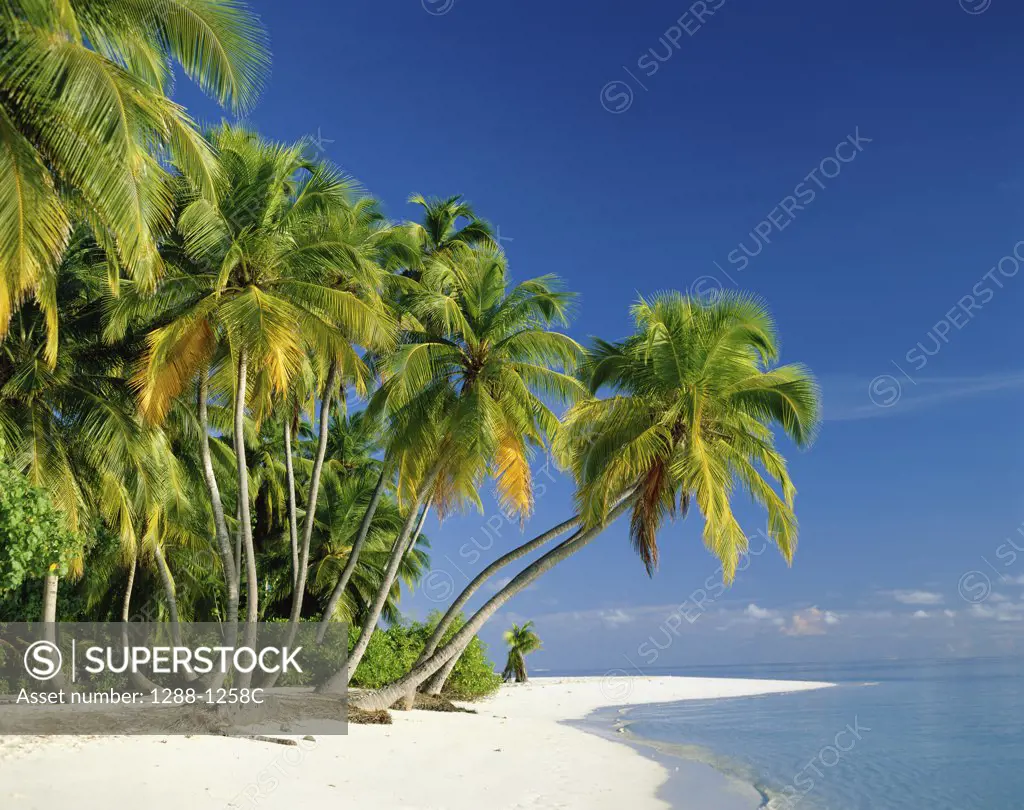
87,130
696,394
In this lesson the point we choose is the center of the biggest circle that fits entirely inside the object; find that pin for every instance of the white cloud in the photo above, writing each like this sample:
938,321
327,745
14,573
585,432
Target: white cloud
921,614
616,618
1000,611
810,622
760,613
917,597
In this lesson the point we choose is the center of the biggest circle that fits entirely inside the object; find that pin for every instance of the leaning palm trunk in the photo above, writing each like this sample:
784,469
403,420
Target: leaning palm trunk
384,698
126,604
416,532
353,556
293,522
170,594
136,678
403,543
227,559
436,683
314,492
307,531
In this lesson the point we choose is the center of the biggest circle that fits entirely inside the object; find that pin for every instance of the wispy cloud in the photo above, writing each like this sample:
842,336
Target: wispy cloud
810,622
917,597
849,397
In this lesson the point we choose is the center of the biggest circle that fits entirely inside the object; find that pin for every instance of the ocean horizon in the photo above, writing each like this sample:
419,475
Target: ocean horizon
891,735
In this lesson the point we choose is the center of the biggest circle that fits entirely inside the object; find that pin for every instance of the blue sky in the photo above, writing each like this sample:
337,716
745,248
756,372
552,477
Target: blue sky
855,163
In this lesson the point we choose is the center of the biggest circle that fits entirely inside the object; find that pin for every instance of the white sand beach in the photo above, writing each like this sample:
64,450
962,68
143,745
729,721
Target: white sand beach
514,753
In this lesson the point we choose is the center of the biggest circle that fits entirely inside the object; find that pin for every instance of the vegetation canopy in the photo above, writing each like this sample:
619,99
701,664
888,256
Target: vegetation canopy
233,389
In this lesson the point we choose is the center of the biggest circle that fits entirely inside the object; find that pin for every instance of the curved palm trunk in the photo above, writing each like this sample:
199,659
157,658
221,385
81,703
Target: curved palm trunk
293,521
171,597
227,559
126,604
435,685
252,585
353,557
314,493
436,682
403,543
456,607
385,697
170,594
137,679
307,530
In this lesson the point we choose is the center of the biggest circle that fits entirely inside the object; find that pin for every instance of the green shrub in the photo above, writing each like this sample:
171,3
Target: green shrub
33,537
392,653
474,676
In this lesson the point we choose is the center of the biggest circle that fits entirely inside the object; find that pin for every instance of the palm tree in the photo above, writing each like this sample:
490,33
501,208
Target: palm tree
696,392
72,428
448,225
462,394
262,279
84,120
521,642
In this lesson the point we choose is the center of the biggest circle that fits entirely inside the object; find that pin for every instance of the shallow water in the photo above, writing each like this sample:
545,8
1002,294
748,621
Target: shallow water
892,736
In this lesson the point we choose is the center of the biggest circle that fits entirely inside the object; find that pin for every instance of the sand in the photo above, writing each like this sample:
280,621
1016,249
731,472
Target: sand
514,753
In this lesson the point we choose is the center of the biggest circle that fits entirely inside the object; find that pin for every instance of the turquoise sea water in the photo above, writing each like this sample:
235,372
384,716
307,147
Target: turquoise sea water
892,736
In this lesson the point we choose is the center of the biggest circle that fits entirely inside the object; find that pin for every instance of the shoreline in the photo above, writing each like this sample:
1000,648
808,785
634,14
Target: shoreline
529,746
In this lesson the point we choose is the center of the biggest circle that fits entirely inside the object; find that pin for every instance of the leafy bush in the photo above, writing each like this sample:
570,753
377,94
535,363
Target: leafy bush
33,537
392,653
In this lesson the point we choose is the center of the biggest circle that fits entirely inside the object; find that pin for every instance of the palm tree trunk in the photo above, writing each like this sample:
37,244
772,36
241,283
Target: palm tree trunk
437,682
353,556
416,532
126,604
252,606
170,595
293,521
302,570
341,678
383,698
314,492
252,585
435,685
137,679
50,585
227,560
239,555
